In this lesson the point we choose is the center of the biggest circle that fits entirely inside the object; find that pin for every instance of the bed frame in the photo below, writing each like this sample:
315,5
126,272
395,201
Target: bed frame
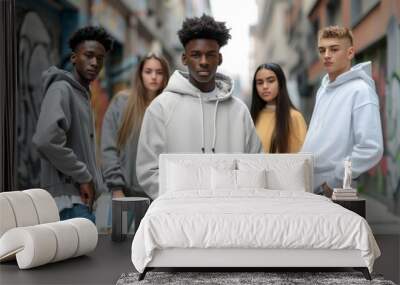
242,259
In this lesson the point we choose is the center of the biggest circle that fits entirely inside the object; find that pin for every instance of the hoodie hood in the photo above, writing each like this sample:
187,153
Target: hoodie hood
179,83
360,71
54,74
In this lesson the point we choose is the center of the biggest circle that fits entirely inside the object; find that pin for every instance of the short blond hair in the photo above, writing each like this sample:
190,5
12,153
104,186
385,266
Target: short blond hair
336,32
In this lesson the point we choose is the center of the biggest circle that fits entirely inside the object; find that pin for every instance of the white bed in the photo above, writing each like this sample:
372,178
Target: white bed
229,216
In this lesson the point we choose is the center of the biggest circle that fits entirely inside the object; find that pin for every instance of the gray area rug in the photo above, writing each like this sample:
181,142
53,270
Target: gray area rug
225,278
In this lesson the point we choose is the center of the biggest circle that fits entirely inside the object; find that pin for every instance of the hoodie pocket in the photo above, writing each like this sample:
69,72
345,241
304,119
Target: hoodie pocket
56,178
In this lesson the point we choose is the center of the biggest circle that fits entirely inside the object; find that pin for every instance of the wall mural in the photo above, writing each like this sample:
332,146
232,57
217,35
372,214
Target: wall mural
34,56
393,140
393,116
383,181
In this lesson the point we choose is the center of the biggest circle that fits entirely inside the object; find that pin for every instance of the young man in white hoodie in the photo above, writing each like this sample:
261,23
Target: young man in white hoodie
346,121
196,113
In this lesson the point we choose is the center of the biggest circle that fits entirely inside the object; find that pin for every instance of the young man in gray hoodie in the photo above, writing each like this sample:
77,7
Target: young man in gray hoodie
65,134
196,113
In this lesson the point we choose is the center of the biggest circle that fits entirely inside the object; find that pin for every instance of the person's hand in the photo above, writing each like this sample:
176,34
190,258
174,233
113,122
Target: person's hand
86,191
118,194
328,191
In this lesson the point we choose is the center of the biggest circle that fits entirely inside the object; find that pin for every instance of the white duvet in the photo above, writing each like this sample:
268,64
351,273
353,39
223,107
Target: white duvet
253,218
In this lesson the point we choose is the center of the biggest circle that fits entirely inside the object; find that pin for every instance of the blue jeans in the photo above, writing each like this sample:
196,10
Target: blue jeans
77,211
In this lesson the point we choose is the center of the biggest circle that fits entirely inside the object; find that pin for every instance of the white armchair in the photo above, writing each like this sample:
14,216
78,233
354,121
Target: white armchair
31,230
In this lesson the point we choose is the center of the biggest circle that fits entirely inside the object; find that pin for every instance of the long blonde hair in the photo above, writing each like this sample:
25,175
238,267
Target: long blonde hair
138,101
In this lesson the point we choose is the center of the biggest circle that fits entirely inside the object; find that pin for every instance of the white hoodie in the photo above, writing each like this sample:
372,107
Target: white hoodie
345,123
184,119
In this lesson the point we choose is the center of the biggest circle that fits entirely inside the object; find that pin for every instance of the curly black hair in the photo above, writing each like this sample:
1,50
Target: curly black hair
204,27
91,33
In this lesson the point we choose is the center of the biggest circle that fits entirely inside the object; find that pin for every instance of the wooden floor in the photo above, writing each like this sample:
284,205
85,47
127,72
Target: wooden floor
106,264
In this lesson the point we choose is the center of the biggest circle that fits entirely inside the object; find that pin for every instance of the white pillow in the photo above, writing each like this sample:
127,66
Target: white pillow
293,180
281,174
237,179
193,174
251,178
223,179
183,178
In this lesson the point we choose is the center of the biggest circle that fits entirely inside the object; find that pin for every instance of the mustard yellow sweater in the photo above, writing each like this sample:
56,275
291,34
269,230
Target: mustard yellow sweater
265,126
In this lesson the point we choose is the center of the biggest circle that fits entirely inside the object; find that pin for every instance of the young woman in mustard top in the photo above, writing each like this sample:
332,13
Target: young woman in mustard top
280,126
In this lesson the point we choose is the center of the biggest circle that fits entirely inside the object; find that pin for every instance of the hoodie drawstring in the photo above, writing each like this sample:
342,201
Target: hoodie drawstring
202,126
215,126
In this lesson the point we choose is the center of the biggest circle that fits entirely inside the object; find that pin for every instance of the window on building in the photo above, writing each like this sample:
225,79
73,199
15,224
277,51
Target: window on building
334,13
360,8
312,41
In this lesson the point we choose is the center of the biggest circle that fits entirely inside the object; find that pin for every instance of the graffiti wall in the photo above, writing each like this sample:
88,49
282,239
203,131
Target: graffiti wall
383,181
393,140
393,116
35,51
43,30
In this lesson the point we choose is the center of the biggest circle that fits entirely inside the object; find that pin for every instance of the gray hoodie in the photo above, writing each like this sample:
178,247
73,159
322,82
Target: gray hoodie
65,135
119,166
184,119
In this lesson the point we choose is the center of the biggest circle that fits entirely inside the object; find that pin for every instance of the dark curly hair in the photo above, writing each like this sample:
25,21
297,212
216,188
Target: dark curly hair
204,27
91,33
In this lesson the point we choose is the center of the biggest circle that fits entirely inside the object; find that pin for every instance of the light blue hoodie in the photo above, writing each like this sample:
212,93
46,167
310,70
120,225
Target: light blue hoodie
345,123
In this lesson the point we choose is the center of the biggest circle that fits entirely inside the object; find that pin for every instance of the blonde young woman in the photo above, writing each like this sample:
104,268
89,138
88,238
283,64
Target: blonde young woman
122,123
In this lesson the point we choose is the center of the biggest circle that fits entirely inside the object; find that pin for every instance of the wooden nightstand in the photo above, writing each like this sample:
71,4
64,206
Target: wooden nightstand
357,206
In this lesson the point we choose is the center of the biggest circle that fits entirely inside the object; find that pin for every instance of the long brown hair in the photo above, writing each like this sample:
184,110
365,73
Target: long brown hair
138,101
280,135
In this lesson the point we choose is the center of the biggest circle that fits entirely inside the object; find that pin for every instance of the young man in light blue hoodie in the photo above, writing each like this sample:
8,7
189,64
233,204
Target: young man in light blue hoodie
196,113
346,121
65,134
